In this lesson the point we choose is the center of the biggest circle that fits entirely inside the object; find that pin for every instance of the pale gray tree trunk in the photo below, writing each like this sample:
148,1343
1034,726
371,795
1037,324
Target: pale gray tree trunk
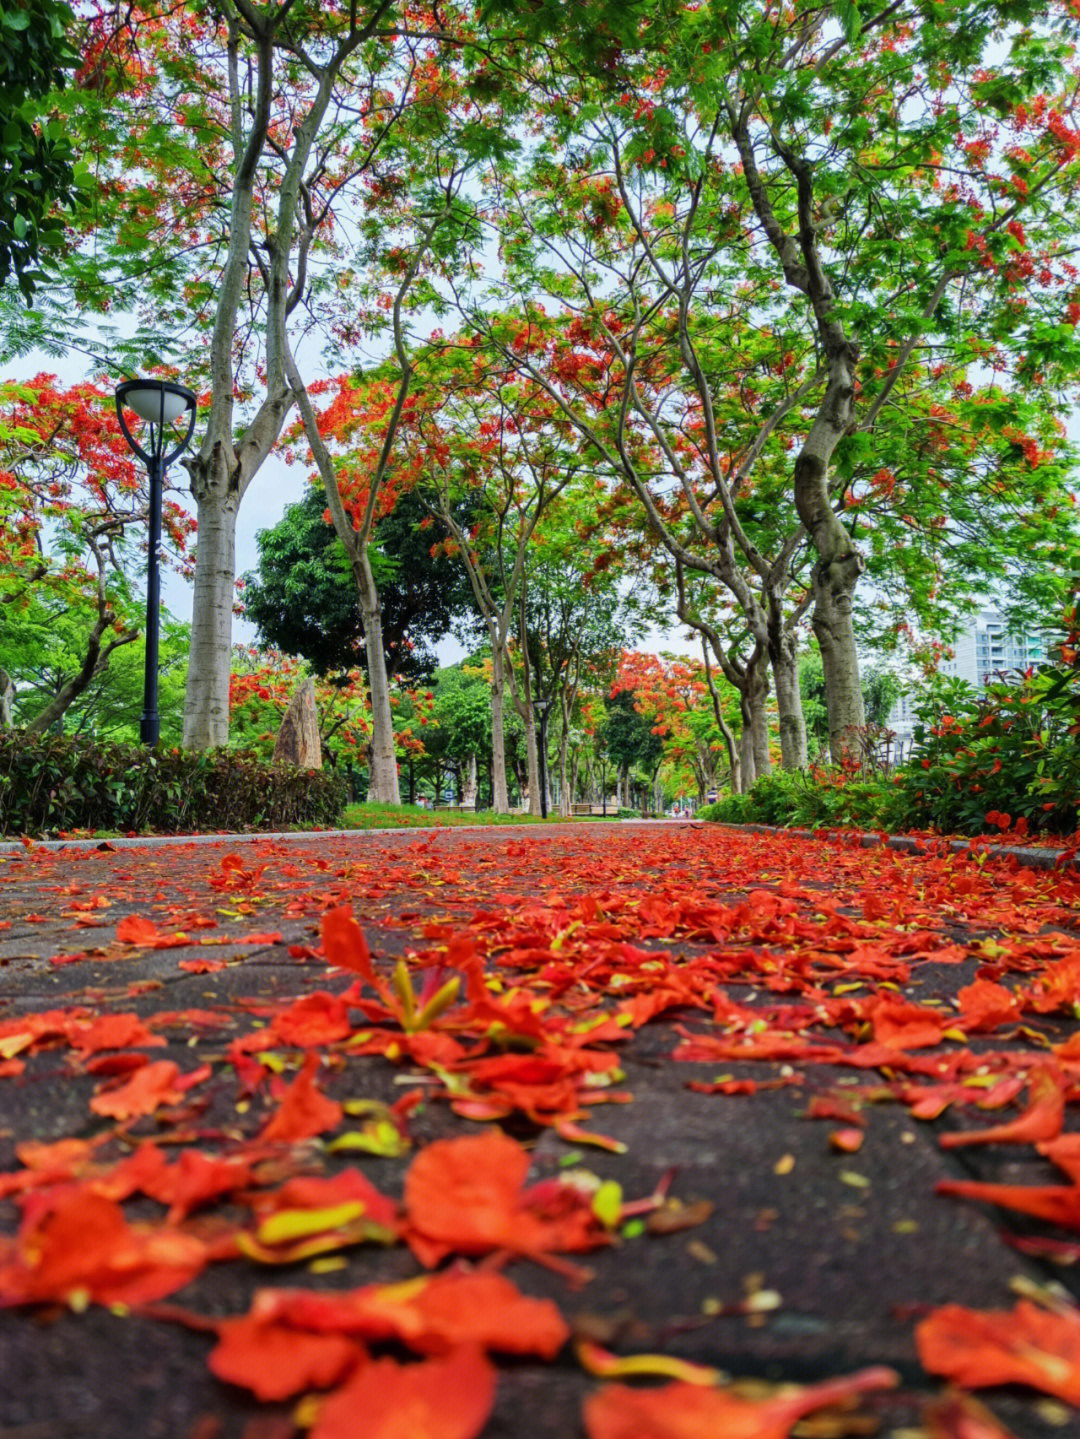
753,704
383,785
835,578
566,796
206,698
746,752
532,754
498,615
500,795
759,720
7,700
730,742
839,565
836,573
468,794
275,244
784,661
356,538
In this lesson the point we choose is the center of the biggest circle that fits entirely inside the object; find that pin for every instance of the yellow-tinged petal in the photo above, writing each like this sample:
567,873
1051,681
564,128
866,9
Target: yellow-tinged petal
605,1365
14,1044
440,1001
607,1203
300,1223
404,991
381,1137
361,1232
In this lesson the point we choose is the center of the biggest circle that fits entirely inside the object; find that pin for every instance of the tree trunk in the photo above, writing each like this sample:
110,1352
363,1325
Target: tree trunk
783,657
500,796
754,704
834,585
731,744
7,700
469,786
533,753
746,748
206,698
383,785
839,564
566,796
527,715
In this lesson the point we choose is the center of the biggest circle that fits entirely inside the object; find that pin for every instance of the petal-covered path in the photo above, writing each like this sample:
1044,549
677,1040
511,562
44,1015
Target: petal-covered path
600,1130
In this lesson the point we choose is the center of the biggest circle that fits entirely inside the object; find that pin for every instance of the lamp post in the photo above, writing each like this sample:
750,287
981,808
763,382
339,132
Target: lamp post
541,707
160,403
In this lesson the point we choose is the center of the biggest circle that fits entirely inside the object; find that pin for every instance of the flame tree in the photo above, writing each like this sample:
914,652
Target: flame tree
877,192
73,512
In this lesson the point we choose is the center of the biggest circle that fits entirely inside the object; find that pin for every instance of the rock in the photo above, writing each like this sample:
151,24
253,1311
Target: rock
298,738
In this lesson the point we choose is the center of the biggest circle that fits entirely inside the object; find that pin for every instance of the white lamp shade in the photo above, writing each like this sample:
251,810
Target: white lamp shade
147,404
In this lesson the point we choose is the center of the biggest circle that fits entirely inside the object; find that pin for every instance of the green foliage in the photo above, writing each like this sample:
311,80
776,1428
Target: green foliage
50,783
303,598
1009,759
462,714
37,162
732,809
628,736
41,648
814,799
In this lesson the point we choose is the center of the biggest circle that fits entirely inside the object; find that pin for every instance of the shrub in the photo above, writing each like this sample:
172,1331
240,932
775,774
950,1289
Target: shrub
803,800
50,783
732,809
1007,760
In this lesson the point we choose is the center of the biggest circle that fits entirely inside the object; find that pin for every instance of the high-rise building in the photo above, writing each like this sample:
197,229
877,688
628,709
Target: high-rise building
982,651
987,647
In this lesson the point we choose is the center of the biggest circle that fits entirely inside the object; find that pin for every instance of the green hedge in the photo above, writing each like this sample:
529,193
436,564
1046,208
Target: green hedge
1006,762
51,783
811,800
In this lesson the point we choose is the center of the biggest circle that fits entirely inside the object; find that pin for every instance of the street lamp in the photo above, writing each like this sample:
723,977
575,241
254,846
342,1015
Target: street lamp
541,707
160,403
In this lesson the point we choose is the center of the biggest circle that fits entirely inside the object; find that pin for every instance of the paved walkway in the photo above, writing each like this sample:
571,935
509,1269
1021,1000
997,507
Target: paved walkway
757,1038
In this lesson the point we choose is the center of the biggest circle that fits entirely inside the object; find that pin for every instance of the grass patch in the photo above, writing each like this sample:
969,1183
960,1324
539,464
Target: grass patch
412,816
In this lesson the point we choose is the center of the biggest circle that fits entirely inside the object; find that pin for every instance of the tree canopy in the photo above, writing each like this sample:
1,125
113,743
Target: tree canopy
302,598
37,157
756,322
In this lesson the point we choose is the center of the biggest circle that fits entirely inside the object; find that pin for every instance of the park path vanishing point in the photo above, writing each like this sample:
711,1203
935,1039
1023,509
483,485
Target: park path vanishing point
657,1099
